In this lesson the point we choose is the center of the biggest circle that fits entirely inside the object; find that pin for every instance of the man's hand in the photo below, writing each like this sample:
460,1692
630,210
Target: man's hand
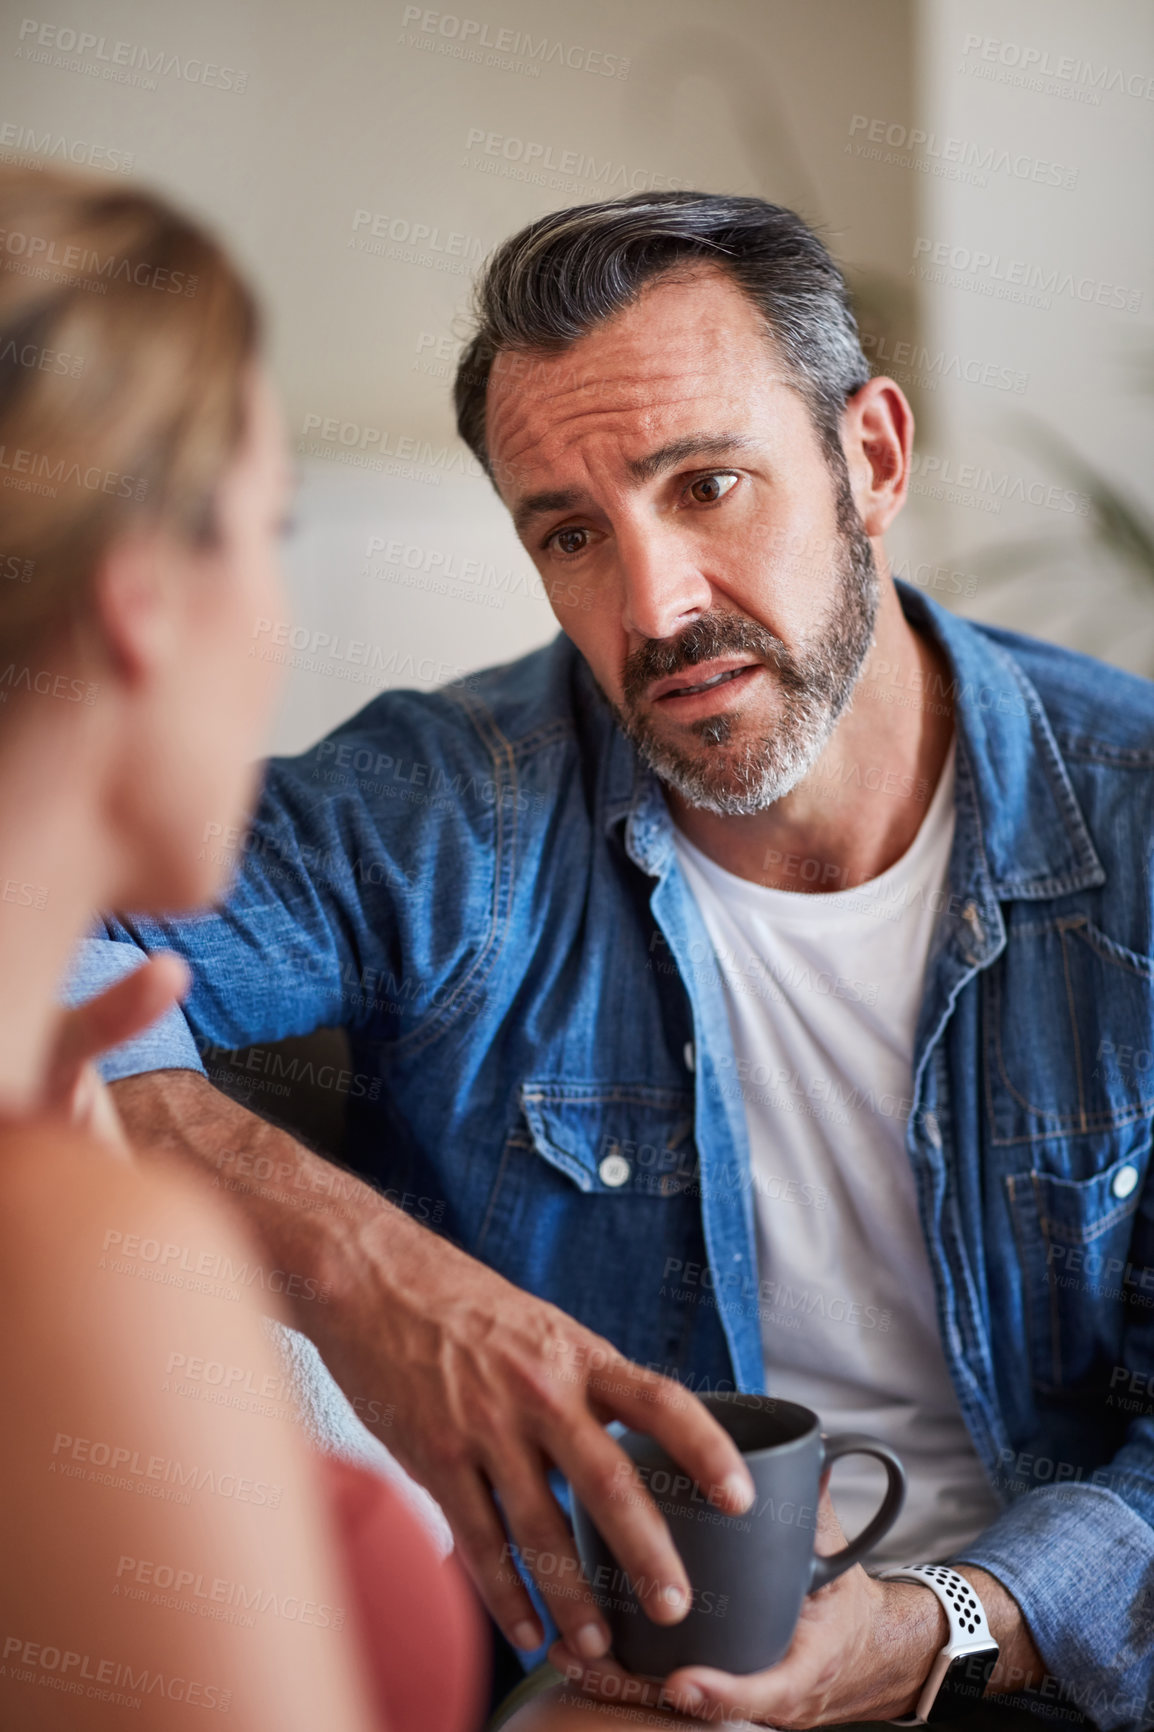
862,1651
491,1388
72,1088
485,1388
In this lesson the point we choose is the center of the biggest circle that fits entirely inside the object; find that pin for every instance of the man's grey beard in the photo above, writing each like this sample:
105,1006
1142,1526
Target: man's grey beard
814,688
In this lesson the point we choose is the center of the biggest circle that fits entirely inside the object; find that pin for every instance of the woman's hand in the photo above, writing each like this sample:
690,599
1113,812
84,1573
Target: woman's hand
73,1090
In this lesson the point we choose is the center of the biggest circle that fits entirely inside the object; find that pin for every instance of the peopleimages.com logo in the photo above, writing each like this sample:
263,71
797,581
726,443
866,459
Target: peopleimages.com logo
25,147
502,46
542,162
1028,66
947,156
1004,278
104,57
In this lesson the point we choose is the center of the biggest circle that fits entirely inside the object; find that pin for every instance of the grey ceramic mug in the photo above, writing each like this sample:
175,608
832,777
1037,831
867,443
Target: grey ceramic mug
749,1574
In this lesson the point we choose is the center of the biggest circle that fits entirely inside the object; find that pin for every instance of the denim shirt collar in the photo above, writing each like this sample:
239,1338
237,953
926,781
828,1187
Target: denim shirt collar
1020,832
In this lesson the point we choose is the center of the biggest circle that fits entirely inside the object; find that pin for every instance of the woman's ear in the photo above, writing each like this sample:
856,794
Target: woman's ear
136,595
878,437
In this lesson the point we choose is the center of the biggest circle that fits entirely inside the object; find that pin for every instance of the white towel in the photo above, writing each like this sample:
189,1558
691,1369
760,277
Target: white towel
334,1427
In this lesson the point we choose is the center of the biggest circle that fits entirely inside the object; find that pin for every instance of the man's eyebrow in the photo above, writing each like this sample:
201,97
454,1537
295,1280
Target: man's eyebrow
640,468
692,445
540,504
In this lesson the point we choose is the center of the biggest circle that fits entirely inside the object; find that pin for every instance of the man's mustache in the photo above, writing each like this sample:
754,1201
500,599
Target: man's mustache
713,635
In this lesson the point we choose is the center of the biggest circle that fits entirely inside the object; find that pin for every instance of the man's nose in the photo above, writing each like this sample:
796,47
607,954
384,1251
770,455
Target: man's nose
663,589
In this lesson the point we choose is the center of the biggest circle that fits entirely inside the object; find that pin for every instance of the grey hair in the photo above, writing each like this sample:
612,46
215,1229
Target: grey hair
549,285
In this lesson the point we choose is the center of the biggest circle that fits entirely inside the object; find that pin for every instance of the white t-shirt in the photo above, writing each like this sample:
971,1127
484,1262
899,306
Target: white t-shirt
823,993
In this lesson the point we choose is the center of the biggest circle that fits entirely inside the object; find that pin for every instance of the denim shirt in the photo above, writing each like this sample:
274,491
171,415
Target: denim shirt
479,883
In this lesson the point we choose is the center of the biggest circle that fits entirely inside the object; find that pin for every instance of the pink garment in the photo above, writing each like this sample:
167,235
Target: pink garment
422,1629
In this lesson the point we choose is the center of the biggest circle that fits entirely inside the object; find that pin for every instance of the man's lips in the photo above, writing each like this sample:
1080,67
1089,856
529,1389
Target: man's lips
705,677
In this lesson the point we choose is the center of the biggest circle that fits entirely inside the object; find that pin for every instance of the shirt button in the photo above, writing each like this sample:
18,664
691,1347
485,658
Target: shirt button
1124,1181
689,1056
614,1170
932,1129
970,914
974,921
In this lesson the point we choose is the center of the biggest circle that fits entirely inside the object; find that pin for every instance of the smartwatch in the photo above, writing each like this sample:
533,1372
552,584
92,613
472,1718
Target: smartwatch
960,1673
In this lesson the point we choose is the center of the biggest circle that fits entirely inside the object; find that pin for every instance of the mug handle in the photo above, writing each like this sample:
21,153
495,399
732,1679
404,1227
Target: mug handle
860,1443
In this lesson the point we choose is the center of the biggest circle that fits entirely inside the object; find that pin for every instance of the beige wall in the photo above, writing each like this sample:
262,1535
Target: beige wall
1065,304
357,107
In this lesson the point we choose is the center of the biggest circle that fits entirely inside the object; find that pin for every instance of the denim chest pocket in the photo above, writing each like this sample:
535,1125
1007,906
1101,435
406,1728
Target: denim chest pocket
629,1139
1073,1238
1069,1037
594,1199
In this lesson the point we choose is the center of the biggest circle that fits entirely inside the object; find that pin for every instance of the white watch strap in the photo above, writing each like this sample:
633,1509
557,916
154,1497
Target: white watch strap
969,1631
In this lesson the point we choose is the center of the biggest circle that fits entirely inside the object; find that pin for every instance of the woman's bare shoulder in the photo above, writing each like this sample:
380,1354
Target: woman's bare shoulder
64,1196
121,1274
39,1157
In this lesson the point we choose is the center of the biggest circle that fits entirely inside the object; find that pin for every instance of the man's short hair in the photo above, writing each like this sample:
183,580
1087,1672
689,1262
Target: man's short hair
551,284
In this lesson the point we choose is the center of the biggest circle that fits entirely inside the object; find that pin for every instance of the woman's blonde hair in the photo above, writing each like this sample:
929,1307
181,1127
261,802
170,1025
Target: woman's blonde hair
126,342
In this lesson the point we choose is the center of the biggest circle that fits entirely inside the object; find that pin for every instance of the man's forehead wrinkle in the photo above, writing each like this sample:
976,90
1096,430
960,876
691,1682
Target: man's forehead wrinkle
521,424
615,393
647,350
515,418
553,442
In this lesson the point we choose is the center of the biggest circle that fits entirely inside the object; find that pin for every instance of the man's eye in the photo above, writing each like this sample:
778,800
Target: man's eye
712,487
568,540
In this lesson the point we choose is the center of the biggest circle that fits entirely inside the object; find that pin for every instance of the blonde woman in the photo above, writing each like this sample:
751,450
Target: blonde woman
164,1561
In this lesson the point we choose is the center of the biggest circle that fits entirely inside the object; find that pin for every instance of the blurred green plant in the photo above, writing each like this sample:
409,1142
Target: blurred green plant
1116,523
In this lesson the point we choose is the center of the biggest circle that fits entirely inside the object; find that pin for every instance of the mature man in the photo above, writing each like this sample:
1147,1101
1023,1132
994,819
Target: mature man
759,978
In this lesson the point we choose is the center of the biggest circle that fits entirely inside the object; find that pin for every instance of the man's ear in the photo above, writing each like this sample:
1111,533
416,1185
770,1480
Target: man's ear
135,602
878,436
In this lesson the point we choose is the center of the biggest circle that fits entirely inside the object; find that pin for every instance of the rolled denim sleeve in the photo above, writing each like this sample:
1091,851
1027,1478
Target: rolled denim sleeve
167,1045
1079,1561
